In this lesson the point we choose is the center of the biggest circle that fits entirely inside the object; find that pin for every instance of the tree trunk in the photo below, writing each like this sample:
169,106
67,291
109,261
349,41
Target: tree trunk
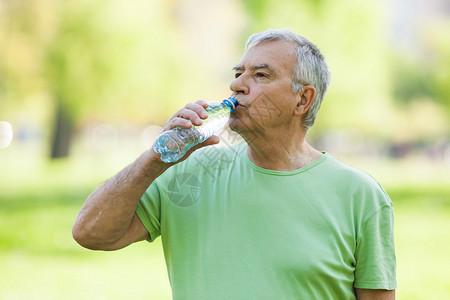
62,132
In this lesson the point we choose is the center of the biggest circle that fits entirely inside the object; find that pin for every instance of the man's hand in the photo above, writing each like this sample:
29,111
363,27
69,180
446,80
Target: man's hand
191,114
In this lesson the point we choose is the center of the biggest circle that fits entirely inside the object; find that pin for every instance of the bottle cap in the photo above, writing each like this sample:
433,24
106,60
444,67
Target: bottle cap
231,102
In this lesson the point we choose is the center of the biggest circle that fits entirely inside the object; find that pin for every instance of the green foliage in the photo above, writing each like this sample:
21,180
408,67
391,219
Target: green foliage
108,60
81,60
67,52
415,80
100,59
257,9
411,81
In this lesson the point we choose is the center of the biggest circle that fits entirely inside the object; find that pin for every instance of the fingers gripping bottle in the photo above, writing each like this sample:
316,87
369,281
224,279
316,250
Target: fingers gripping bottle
173,144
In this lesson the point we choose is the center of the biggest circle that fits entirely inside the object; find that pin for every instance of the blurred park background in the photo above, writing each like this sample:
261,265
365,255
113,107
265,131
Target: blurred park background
86,85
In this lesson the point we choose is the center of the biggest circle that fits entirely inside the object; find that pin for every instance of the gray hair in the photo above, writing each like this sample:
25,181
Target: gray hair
311,68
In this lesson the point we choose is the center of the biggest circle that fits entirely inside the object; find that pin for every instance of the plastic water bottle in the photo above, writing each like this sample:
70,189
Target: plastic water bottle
173,144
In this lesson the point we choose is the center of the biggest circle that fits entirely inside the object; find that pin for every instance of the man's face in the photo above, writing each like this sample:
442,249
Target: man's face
263,89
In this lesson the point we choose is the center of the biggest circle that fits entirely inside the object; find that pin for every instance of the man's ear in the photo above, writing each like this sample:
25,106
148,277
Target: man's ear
305,99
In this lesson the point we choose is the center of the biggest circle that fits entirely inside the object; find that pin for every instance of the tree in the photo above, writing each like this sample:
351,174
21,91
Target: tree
83,58
87,55
65,49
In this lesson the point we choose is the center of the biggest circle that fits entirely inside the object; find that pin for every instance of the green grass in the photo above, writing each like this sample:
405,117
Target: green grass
39,259
422,222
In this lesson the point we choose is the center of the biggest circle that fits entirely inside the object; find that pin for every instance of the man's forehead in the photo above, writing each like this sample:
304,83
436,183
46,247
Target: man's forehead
268,55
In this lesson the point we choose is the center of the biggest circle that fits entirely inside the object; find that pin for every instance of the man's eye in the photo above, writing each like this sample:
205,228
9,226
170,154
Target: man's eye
259,74
236,75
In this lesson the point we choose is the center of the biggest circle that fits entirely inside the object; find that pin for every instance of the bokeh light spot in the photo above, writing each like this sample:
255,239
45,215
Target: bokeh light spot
6,134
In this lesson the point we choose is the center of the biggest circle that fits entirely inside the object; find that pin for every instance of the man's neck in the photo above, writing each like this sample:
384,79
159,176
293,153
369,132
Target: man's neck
281,153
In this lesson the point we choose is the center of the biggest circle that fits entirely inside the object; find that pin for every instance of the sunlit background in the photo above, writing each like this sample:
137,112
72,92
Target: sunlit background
85,87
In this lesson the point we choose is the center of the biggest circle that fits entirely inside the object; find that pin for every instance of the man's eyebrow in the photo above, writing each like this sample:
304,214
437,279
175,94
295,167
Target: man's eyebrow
264,66
261,66
255,67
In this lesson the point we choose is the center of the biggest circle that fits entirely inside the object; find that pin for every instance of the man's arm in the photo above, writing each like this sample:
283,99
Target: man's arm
108,221
367,294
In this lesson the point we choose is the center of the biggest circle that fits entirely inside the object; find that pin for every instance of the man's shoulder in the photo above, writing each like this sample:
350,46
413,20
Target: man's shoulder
352,177
341,168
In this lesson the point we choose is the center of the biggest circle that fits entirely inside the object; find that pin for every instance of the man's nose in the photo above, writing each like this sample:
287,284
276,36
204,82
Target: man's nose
239,85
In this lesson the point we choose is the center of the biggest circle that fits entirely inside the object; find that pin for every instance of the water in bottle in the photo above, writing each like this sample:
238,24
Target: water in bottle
173,144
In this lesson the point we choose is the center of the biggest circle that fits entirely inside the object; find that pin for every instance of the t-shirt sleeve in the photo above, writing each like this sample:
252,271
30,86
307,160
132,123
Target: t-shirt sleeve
375,253
149,211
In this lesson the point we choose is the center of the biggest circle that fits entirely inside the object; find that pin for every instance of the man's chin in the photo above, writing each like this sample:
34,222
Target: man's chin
241,128
236,125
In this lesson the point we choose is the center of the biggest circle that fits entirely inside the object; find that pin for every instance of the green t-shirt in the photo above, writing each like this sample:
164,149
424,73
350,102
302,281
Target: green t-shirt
233,230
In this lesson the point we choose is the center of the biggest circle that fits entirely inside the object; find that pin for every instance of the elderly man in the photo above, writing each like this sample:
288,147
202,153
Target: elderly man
271,218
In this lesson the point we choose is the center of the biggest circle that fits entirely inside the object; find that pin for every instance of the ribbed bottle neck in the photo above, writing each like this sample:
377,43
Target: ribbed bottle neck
231,102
